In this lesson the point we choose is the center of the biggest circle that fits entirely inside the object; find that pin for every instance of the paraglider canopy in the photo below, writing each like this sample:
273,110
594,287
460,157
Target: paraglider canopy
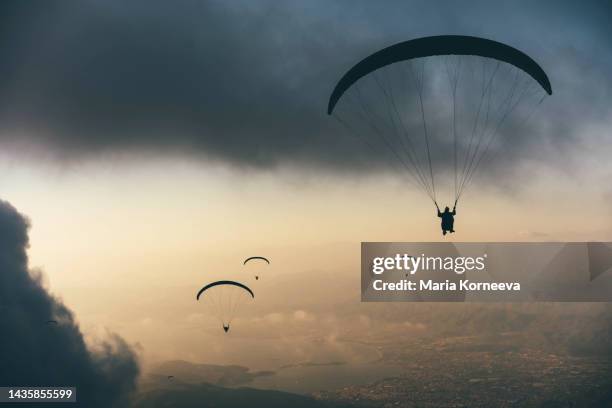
252,258
438,106
439,45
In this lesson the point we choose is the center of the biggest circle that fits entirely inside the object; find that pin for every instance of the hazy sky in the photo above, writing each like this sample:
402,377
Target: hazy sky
155,144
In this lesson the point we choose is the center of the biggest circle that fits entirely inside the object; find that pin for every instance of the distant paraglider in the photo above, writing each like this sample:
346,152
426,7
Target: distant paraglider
224,298
256,260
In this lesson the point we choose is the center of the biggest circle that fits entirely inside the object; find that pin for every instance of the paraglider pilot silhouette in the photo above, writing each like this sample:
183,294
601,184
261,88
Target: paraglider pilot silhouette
448,219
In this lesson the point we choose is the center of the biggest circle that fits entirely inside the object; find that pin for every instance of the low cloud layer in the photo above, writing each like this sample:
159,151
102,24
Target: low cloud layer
41,344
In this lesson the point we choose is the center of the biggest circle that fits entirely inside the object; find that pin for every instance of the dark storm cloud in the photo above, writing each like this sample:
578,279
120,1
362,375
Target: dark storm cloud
247,82
41,344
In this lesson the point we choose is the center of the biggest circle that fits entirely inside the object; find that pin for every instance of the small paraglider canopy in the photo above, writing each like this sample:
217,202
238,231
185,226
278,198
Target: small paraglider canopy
252,258
224,283
223,299
52,322
256,260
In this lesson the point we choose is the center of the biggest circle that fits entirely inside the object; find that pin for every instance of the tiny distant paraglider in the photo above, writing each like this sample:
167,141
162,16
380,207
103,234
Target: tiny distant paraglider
255,264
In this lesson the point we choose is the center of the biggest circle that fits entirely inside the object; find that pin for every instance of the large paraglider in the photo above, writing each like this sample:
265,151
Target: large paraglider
224,298
438,107
255,263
